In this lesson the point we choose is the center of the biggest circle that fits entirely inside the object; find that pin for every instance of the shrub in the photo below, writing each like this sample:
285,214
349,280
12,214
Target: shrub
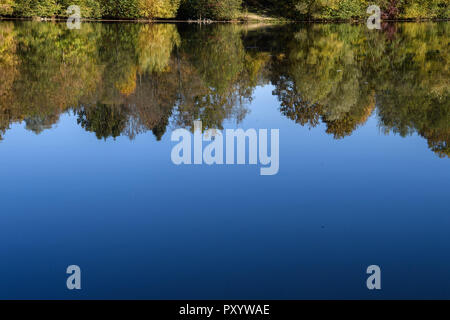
89,8
120,8
210,9
426,9
6,7
33,8
158,8
343,9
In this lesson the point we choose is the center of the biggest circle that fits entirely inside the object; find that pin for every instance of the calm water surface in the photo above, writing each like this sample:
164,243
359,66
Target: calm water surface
86,176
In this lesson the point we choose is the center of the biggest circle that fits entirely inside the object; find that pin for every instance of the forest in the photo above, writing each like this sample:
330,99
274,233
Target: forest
223,10
127,79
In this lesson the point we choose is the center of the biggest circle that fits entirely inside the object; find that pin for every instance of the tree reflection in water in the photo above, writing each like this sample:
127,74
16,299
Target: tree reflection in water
126,79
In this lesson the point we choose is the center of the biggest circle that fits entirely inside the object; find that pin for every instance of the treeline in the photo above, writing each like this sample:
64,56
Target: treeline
351,9
125,9
228,9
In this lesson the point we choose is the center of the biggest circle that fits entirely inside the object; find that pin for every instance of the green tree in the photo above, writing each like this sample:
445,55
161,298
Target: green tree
155,45
348,9
8,74
6,7
106,121
32,8
120,8
217,80
158,8
89,8
210,9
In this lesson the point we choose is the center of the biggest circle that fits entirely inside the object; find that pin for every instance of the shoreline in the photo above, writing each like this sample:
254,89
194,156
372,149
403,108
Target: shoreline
238,21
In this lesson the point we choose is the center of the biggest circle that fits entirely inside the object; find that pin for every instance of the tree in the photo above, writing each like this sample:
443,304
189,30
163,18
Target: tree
210,9
154,46
158,8
33,8
6,7
89,8
105,120
120,8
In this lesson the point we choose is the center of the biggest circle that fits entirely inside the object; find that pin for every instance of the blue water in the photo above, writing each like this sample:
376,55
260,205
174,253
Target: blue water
141,227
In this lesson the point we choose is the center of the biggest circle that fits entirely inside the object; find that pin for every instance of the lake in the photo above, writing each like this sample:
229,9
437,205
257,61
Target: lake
87,178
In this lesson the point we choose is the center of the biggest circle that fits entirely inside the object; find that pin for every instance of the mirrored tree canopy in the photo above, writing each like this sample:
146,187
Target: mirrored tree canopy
126,79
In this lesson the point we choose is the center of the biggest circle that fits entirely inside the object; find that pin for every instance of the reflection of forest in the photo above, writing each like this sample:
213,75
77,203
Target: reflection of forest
124,79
